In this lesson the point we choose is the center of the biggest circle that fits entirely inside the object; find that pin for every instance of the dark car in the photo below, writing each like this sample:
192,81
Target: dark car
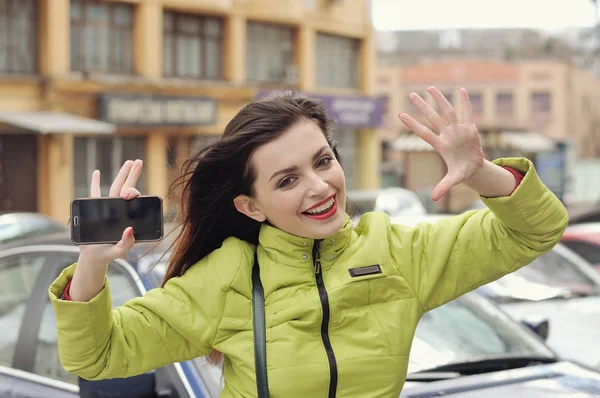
465,348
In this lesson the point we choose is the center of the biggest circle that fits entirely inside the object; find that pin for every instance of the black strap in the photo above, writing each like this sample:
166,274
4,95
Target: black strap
260,341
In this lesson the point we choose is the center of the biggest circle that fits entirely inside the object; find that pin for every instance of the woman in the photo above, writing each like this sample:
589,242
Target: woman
341,303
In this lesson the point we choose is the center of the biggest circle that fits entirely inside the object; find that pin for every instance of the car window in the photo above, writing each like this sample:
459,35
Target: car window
47,363
18,275
552,269
587,250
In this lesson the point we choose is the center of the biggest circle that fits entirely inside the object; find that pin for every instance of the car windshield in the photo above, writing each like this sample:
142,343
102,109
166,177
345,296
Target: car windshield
551,275
589,251
469,328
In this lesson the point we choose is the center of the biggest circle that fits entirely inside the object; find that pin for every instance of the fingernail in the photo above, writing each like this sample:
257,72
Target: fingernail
127,194
130,232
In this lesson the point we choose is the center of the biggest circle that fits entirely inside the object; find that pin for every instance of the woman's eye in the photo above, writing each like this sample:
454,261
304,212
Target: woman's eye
286,181
324,161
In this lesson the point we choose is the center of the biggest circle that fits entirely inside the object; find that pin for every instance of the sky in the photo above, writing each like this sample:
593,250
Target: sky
443,14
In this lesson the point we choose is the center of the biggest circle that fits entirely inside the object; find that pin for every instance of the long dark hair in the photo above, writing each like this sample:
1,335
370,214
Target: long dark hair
218,173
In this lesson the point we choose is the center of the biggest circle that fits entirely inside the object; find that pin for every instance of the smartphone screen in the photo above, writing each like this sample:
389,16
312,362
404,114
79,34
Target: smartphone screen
103,220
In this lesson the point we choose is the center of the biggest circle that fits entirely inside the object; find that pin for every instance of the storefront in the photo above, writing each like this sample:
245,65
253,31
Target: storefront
34,151
159,129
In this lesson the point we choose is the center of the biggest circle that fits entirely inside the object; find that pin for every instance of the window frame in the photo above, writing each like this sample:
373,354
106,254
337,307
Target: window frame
176,33
116,159
114,61
33,45
355,66
501,112
290,60
539,110
480,101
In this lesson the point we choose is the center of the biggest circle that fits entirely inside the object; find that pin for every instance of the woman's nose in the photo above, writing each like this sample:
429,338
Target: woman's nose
318,186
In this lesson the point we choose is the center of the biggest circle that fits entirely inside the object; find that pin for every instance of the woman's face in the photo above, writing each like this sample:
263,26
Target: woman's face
300,187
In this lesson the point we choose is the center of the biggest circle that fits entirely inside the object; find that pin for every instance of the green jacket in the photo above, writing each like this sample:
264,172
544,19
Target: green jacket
326,329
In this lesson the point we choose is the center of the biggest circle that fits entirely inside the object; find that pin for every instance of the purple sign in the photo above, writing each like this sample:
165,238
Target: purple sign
350,111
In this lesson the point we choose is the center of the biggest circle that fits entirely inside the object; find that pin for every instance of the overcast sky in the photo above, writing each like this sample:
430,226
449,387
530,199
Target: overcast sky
438,14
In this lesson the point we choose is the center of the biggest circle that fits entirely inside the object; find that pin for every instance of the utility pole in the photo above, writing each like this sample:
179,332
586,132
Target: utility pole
596,60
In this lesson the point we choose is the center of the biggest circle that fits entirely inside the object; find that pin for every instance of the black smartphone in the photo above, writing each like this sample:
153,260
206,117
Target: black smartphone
103,220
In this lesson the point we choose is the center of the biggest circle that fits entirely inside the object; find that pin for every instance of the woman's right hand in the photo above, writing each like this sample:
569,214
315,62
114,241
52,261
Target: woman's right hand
123,186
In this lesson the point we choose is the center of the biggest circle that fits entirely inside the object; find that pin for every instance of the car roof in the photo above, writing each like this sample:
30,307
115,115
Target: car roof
63,238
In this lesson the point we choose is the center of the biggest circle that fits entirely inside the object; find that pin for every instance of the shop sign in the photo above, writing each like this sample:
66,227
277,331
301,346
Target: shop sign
351,111
137,110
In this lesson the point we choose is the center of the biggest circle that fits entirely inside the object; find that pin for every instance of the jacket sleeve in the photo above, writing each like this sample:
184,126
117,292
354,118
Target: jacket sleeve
444,260
166,325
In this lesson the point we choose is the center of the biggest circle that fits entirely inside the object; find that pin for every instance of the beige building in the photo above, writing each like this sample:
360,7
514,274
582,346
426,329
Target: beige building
528,108
87,84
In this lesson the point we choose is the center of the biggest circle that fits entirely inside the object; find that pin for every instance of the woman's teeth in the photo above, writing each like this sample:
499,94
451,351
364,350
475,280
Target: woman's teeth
324,207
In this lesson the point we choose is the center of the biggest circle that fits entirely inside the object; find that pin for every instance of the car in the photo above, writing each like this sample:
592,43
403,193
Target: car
394,201
463,347
20,225
559,286
584,239
29,363
584,213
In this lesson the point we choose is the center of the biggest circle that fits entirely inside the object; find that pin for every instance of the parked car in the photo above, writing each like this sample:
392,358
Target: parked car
393,201
584,214
469,348
584,239
559,286
464,347
22,225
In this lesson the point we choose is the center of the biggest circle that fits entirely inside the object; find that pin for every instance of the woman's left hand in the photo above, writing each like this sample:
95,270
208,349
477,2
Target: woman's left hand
457,142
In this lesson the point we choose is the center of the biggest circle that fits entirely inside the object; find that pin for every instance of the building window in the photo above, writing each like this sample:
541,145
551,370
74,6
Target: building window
193,46
101,36
106,155
541,103
337,61
270,53
448,96
18,36
476,103
504,104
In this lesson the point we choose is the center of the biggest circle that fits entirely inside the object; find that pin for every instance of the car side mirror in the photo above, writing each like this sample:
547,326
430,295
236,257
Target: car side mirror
141,386
539,325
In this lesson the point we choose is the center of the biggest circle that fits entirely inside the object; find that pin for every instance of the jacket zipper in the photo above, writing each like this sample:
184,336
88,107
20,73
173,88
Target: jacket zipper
333,374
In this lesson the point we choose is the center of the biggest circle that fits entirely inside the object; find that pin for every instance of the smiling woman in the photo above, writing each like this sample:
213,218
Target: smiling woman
265,203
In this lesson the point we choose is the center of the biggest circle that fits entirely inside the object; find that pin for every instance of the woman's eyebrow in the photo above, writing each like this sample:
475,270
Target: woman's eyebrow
294,168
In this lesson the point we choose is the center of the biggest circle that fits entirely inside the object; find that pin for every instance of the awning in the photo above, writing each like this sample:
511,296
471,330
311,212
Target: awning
45,122
527,141
411,143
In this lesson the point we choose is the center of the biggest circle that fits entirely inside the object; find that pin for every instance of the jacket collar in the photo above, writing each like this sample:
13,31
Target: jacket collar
286,249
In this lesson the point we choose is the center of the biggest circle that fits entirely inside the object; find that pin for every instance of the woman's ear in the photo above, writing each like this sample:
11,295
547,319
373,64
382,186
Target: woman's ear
246,205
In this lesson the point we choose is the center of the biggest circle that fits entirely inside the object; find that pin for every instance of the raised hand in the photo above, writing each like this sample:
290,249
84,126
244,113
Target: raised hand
457,141
123,186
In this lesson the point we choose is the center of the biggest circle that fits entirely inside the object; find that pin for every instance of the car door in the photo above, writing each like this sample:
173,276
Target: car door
37,354
21,279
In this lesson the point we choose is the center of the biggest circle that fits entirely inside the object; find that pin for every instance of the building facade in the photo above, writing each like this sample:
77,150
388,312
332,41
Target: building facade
543,110
87,84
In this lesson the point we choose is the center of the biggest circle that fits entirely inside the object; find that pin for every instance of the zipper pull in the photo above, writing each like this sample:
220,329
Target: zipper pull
317,257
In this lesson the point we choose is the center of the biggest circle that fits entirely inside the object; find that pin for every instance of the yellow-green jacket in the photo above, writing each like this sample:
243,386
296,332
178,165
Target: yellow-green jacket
339,328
